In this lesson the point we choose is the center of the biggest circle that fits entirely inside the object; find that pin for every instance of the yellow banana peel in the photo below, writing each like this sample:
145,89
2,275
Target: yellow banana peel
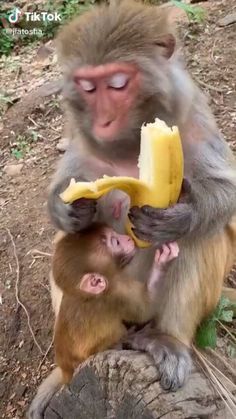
160,174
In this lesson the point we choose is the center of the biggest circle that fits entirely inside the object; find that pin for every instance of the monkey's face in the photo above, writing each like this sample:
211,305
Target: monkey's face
117,72
109,93
120,246
106,247
107,254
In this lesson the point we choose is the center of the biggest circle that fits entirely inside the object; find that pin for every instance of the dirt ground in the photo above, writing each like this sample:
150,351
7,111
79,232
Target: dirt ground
24,225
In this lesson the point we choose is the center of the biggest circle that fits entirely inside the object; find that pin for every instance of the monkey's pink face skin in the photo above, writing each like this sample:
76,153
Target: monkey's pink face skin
118,244
109,91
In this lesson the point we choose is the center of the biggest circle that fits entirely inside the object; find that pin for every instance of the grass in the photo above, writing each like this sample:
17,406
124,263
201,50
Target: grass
195,14
23,144
207,332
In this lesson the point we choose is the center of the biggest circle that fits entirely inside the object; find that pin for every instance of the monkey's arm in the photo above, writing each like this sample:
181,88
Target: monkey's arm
210,201
76,217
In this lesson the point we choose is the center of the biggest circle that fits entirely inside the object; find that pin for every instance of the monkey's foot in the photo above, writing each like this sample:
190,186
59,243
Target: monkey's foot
171,357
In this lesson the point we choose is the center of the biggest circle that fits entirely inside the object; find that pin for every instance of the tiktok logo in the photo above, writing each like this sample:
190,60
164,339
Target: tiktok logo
14,16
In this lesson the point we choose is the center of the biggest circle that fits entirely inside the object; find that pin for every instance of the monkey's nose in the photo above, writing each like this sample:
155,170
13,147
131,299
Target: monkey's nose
107,123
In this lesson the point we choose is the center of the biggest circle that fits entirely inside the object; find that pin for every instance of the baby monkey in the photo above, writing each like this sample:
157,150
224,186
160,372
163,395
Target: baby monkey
98,298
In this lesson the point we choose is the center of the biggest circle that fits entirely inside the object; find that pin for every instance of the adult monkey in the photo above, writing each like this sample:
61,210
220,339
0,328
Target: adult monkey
121,69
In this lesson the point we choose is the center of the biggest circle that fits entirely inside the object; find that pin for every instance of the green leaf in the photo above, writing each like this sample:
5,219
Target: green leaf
206,335
227,316
17,153
231,350
34,135
222,305
194,13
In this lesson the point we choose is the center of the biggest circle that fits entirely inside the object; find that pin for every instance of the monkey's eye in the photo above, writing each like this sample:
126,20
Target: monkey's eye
118,81
87,85
115,242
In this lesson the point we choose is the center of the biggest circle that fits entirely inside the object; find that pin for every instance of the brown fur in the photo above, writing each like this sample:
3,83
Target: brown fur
86,323
95,38
87,326
197,296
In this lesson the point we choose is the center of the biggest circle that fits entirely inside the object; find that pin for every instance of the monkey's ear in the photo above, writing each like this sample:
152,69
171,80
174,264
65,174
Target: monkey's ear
167,43
93,283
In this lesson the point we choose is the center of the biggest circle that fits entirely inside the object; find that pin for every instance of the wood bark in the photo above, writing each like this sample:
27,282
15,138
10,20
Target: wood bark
124,385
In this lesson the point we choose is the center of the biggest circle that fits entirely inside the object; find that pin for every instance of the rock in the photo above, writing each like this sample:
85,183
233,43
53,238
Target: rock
228,19
63,144
43,53
13,169
2,202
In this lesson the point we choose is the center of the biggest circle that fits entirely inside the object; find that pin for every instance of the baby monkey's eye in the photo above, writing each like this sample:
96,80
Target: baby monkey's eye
103,238
115,242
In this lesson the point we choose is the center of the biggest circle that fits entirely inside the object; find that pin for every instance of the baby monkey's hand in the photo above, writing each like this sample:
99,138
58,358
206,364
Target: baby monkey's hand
165,254
162,257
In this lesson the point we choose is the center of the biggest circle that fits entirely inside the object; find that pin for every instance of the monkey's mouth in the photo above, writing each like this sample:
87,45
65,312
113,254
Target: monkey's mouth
109,132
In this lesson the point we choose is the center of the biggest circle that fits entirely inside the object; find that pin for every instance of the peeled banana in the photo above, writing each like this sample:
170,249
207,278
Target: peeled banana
160,174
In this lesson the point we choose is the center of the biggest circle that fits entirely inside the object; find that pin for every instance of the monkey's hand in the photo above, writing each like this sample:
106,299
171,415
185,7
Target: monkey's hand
74,217
171,357
160,226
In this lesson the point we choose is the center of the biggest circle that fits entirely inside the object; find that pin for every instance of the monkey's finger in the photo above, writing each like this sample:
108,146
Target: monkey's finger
174,213
84,203
157,256
144,235
142,220
153,212
149,216
174,219
145,224
81,212
137,341
165,254
174,249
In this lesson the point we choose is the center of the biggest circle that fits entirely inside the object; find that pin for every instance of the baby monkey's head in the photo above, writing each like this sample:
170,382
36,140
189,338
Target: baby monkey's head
91,259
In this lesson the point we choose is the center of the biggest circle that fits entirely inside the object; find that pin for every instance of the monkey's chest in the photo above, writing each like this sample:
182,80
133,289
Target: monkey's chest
126,169
118,202
114,206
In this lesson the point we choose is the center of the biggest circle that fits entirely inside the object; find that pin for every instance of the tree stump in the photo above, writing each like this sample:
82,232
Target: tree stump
124,385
